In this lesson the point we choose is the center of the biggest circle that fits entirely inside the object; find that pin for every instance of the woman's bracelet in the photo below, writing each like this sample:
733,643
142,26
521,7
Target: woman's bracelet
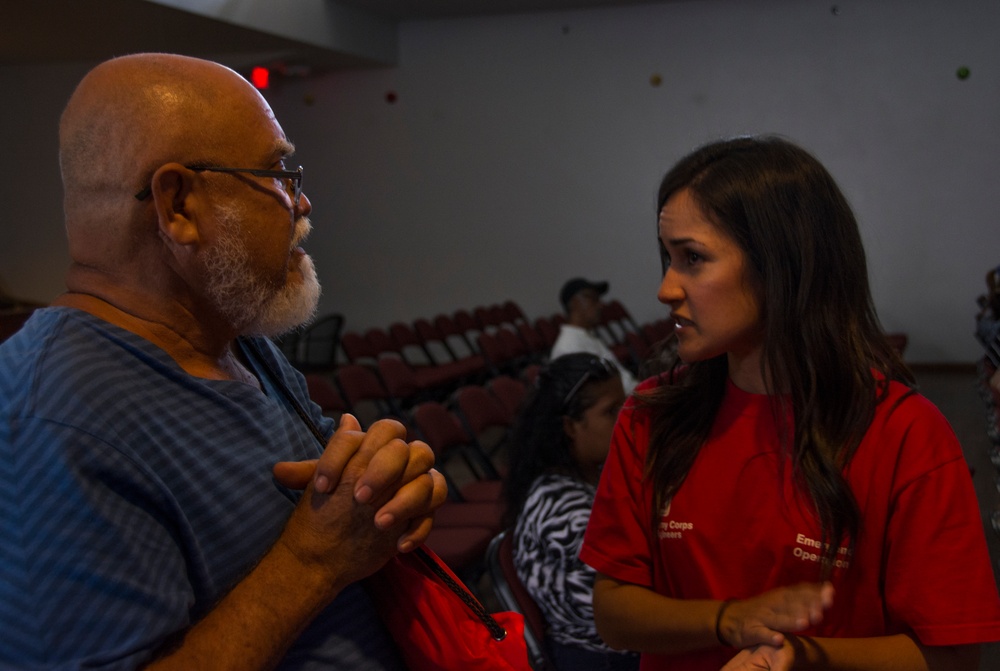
718,621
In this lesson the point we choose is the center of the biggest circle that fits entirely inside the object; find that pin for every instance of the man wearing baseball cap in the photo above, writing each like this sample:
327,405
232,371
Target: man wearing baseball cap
581,299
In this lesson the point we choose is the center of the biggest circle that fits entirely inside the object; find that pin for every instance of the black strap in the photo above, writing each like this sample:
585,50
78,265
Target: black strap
252,349
496,631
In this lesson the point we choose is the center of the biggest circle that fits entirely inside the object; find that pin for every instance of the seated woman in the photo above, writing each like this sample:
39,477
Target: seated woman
559,444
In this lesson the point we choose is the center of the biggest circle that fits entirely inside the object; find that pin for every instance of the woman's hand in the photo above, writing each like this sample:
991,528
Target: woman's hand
763,620
762,658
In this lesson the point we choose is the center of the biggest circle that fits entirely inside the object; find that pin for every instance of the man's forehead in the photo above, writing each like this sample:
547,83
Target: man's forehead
281,146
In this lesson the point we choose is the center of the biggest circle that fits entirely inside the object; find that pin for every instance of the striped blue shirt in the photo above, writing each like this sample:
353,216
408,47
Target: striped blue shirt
134,496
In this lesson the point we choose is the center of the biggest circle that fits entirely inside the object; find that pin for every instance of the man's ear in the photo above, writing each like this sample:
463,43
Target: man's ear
570,305
172,188
573,306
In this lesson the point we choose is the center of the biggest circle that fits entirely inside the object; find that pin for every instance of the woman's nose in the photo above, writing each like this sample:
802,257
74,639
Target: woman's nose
670,291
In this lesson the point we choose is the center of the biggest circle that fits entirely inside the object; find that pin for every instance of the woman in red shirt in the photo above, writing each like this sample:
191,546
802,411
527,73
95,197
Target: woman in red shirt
792,502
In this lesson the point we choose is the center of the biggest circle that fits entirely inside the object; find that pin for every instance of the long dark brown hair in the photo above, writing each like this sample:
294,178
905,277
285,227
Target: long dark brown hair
566,387
821,337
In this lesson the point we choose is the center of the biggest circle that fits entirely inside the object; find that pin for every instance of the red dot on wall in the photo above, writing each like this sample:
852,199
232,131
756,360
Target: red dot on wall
390,97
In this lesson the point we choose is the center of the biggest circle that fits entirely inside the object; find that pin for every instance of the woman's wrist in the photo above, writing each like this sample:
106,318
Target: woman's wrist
718,621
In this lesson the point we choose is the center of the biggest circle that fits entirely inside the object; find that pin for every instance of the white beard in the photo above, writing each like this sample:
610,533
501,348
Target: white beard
249,302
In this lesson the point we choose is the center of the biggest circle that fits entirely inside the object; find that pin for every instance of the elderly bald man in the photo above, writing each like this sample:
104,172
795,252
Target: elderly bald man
152,457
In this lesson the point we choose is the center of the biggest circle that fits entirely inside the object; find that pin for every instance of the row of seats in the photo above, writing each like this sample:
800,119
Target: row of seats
446,337
429,358
456,381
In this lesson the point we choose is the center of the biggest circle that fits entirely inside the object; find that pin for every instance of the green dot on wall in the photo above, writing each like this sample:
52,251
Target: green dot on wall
962,73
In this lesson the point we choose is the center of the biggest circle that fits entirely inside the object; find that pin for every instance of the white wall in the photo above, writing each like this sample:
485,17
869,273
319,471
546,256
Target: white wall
526,149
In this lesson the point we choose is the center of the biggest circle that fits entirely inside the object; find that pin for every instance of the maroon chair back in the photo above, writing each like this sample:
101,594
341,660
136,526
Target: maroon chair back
481,409
436,341
483,317
512,594
366,396
460,338
513,312
497,315
446,435
509,390
531,337
465,322
380,342
324,394
547,329
410,345
494,351
356,348
399,379
441,429
490,424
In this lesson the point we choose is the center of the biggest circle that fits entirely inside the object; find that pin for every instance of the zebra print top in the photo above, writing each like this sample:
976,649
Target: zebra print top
547,539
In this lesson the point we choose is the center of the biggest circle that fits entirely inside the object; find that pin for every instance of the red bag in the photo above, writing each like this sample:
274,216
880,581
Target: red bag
438,624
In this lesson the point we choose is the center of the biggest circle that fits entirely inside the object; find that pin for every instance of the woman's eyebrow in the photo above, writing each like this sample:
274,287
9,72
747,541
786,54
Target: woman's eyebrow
677,242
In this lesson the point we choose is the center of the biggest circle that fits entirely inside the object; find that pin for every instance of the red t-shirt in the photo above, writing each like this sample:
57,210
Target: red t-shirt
738,526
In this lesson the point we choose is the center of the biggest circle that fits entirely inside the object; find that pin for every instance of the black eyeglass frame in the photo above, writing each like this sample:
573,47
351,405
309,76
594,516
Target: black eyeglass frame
294,175
594,366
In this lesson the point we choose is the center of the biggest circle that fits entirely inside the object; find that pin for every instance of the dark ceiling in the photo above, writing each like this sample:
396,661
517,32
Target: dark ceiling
49,31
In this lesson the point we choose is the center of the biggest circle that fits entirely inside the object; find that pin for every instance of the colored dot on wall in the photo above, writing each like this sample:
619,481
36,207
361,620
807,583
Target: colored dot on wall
655,80
390,97
962,73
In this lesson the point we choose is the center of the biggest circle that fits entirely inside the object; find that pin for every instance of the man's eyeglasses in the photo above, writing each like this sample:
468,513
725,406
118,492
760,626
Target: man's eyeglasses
597,369
293,184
